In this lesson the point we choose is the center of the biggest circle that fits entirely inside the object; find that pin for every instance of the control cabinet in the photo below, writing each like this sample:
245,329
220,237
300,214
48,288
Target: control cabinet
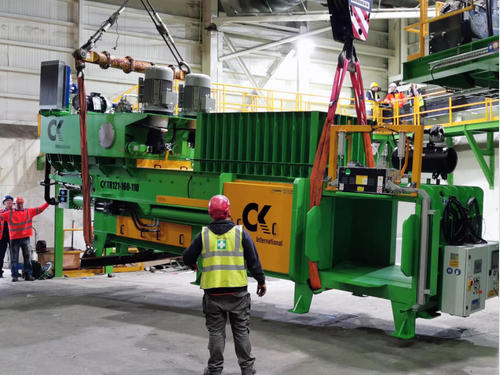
492,254
465,278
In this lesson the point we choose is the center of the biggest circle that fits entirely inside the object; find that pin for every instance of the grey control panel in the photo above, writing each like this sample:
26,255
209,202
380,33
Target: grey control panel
469,276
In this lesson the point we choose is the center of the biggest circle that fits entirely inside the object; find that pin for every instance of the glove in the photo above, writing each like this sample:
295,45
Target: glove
194,267
261,289
52,201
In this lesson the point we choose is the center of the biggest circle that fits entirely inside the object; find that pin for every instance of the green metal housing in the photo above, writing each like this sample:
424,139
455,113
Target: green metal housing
470,65
352,236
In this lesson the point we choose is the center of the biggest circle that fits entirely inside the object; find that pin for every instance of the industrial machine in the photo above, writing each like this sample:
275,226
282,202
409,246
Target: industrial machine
303,184
463,46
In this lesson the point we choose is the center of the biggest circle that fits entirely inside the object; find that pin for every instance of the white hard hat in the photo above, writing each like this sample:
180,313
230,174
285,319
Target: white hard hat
393,85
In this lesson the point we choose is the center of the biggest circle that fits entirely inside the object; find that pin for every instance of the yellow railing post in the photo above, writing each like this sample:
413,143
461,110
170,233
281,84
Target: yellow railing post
416,107
423,29
224,98
423,24
487,102
450,111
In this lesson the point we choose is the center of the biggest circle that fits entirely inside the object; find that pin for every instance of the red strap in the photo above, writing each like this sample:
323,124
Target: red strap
321,158
359,101
87,225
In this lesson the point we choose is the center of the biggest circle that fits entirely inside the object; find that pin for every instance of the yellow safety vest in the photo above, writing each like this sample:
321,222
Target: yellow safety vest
420,101
223,263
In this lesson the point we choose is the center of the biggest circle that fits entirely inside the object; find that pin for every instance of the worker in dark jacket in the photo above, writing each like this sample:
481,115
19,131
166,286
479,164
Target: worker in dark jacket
227,251
8,203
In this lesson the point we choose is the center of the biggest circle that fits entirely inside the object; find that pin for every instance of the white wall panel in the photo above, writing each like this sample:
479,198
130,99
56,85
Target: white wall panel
469,173
35,32
53,9
32,31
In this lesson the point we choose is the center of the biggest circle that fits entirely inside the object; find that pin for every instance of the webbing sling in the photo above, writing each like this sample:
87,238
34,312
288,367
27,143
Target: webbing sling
347,61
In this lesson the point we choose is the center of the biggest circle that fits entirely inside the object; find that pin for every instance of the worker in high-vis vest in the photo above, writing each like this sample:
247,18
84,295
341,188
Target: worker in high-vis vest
20,221
372,98
394,97
227,251
8,203
417,100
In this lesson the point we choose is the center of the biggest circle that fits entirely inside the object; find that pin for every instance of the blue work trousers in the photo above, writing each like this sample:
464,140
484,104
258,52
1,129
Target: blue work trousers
24,244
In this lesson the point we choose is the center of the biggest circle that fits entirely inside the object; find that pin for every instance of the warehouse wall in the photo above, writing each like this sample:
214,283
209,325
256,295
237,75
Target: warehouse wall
469,173
320,68
32,31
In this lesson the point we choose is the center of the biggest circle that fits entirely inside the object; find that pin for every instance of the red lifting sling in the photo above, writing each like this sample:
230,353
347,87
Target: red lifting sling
347,61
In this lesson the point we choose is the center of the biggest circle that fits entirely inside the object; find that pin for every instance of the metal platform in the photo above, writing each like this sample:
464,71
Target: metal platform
467,66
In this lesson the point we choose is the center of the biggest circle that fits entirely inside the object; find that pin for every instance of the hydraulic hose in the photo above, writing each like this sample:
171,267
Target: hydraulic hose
87,224
46,184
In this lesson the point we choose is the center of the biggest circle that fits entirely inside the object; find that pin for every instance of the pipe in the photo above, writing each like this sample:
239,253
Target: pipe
424,237
46,181
128,64
46,184
86,183
422,290
183,216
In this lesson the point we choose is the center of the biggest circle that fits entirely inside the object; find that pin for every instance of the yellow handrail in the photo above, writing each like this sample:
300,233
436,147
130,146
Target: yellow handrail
422,26
235,98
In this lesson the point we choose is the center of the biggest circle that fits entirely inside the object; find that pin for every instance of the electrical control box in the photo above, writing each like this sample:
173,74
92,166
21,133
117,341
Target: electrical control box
63,198
492,254
362,180
466,278
54,85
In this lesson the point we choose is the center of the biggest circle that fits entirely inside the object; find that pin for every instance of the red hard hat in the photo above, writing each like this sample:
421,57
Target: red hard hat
19,200
218,207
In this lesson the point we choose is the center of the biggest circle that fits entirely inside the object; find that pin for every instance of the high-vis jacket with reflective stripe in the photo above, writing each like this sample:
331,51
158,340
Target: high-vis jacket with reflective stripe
20,221
223,262
2,222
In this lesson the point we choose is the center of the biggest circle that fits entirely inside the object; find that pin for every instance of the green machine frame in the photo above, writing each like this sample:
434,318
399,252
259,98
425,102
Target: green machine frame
264,148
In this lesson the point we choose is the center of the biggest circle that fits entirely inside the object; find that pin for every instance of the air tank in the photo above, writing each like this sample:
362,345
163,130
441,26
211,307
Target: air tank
435,160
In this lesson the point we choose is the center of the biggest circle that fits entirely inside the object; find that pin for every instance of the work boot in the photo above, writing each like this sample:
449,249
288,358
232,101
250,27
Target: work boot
207,372
248,371
14,279
29,278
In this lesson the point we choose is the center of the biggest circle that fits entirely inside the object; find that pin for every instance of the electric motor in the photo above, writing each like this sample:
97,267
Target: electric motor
156,92
95,103
196,95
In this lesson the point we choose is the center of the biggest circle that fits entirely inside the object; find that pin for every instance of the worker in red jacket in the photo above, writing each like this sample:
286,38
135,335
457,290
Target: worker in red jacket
394,97
20,230
8,202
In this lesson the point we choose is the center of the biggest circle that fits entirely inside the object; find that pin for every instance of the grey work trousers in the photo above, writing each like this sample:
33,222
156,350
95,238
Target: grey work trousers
217,308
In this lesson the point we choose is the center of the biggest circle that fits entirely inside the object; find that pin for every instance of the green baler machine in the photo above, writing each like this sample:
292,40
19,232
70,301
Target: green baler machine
157,202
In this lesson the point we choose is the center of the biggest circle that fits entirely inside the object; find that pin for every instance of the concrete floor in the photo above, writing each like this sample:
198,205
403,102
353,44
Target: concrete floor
145,323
